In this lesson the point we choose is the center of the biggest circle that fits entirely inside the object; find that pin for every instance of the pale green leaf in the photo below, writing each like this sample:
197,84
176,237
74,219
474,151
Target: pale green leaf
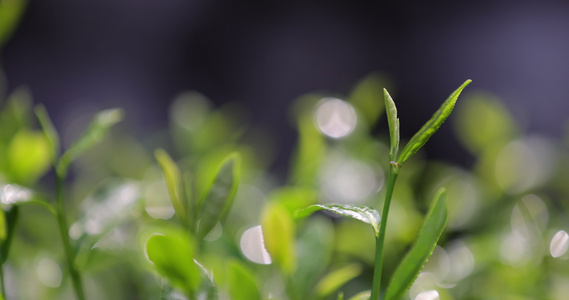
172,256
10,13
423,135
96,131
218,200
173,181
336,279
393,123
278,233
28,156
362,213
365,98
417,257
49,132
241,282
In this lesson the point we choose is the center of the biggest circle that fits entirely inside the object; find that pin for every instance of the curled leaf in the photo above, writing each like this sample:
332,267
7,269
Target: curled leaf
362,213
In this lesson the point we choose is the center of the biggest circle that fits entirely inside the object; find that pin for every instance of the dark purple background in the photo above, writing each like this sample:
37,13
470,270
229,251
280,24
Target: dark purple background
139,54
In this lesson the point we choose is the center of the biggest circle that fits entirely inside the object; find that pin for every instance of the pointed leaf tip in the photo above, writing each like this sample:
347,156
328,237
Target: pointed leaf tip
425,133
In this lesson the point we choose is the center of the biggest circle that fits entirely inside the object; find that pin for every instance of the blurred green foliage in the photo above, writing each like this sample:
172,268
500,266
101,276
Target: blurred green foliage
506,236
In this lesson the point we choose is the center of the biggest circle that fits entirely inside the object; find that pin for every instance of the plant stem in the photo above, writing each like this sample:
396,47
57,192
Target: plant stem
380,239
64,231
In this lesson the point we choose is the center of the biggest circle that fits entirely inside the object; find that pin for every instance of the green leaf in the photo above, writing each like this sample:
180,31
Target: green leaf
358,212
241,282
97,130
278,233
364,98
49,132
218,201
423,135
497,128
336,279
3,229
393,123
417,257
172,179
10,13
173,258
315,246
310,151
208,289
28,156
11,219
340,296
365,295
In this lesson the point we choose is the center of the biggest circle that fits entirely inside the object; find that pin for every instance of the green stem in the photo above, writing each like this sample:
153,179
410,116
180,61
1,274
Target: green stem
64,231
380,239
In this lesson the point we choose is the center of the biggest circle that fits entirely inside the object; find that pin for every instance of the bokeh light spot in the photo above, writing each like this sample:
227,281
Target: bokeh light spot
559,244
253,246
335,118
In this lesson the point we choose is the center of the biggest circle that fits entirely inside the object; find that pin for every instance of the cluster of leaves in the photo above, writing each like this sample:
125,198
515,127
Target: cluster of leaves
121,222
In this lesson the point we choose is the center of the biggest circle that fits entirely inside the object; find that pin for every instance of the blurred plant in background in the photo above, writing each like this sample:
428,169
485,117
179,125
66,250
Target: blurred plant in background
130,217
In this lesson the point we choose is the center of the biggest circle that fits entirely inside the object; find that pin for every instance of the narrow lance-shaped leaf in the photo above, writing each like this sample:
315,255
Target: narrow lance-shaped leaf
217,202
49,131
97,130
358,212
417,257
423,135
393,123
172,180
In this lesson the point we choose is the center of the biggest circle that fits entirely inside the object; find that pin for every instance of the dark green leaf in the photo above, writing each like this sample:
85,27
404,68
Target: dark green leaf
49,132
208,289
173,258
11,218
417,257
216,204
358,212
309,153
97,130
241,282
423,135
393,123
172,180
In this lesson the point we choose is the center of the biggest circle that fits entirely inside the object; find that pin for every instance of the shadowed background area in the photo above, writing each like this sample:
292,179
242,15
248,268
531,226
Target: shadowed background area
83,56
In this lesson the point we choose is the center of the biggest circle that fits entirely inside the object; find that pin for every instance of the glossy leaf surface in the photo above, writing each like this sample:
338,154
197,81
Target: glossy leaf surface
417,257
358,212
423,135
